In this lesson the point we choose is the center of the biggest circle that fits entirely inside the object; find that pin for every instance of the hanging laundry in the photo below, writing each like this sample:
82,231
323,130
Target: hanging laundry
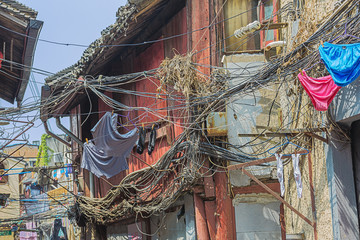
58,231
140,146
107,157
320,90
109,141
58,174
280,173
62,172
35,190
342,61
100,164
297,174
152,141
27,234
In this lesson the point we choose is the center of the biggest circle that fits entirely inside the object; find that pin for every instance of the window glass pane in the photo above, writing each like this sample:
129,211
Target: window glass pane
268,9
269,35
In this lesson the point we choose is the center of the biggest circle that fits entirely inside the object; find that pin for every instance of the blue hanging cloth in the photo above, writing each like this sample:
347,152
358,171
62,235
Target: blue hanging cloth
342,61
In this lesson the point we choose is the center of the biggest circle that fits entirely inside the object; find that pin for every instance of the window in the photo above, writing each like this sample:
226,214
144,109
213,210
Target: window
3,199
268,10
3,179
238,14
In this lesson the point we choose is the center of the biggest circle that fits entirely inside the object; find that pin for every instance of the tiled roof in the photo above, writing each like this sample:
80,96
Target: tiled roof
17,9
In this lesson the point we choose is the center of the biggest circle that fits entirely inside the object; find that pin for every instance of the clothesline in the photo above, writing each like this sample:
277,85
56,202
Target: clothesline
259,161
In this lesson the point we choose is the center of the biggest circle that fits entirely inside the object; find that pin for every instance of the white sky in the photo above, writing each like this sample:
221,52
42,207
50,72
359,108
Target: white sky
68,21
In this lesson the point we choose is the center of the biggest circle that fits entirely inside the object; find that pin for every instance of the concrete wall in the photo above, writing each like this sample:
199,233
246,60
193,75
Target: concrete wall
60,152
299,113
256,216
12,188
249,113
29,152
259,220
173,225
342,191
346,107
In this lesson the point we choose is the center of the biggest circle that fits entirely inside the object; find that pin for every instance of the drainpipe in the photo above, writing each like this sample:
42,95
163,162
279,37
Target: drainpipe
91,180
77,140
54,135
70,134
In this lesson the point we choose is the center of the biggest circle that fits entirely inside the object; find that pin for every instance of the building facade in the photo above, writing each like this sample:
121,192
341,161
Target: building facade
240,151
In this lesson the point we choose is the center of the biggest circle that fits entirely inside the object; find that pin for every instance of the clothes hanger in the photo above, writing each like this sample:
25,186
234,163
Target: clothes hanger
127,117
345,34
286,143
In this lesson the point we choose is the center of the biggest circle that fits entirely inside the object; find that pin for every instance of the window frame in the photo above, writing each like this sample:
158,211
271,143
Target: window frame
263,42
5,179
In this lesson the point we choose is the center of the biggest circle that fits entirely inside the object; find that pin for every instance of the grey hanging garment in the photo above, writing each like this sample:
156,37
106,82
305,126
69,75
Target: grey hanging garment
101,165
297,174
107,157
280,173
109,141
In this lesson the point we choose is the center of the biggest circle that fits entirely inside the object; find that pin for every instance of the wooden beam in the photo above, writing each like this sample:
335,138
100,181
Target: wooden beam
267,26
13,19
209,185
200,219
224,208
11,54
275,186
264,134
325,140
4,50
227,53
6,70
288,130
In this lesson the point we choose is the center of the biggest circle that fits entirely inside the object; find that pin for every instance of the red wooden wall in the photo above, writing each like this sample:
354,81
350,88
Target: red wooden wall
149,59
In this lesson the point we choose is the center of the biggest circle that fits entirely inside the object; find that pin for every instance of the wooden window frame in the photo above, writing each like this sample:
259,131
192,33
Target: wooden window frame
263,33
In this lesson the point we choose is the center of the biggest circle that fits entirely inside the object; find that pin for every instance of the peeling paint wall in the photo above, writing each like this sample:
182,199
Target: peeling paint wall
298,112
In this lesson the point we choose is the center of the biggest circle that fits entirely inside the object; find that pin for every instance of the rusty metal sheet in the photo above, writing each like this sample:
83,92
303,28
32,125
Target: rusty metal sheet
217,124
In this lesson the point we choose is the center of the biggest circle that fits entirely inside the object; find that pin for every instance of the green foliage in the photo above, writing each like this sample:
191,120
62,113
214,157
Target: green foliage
42,158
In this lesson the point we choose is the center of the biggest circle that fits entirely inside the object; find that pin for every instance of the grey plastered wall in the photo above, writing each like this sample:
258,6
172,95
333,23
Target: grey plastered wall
342,192
174,224
346,104
345,110
245,111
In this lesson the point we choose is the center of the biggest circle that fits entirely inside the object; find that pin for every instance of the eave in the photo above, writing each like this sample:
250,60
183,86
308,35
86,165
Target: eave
34,29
